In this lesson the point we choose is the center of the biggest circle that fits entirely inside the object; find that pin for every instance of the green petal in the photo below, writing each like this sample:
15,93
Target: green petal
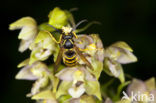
136,86
63,88
25,74
23,63
44,26
55,80
87,99
38,85
150,83
44,95
98,67
122,45
64,99
121,76
70,18
57,18
28,26
121,53
124,101
113,68
45,38
93,88
43,47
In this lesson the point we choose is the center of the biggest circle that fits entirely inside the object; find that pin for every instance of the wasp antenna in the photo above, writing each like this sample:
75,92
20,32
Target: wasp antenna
54,28
80,22
73,9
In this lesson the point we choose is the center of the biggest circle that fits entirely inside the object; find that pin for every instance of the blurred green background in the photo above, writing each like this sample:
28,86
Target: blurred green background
132,21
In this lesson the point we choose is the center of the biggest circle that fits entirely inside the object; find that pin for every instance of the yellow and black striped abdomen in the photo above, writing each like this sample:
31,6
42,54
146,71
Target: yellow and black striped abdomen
70,58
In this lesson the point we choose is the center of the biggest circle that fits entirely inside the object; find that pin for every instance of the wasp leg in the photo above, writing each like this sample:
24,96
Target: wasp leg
58,60
54,38
83,58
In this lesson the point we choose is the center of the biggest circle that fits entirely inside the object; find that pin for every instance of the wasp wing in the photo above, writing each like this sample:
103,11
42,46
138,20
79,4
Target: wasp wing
58,60
83,57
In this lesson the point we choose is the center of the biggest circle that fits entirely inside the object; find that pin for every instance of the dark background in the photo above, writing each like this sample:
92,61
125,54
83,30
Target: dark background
132,21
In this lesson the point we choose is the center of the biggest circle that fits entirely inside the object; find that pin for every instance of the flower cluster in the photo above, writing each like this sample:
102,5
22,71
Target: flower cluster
77,84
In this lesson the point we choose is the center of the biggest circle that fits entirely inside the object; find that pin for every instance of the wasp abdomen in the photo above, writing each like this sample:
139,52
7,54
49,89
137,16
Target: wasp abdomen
70,58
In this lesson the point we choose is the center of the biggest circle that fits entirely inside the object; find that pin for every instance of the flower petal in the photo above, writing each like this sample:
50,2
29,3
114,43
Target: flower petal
63,88
150,83
93,88
28,26
113,68
66,74
26,74
76,92
58,18
121,53
136,86
44,95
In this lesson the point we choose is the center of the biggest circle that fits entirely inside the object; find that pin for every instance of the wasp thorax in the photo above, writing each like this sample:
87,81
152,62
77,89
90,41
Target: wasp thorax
66,30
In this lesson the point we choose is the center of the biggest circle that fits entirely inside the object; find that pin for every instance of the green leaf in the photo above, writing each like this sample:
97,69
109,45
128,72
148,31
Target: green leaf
63,88
58,18
44,95
93,88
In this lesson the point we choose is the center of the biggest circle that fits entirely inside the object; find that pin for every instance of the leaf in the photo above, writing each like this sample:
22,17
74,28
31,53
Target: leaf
58,18
93,88
63,88
44,95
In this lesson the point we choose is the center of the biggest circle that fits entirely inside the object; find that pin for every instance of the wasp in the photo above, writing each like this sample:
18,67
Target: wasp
68,50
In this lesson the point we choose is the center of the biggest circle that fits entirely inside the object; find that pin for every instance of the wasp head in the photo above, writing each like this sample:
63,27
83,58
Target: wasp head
66,30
